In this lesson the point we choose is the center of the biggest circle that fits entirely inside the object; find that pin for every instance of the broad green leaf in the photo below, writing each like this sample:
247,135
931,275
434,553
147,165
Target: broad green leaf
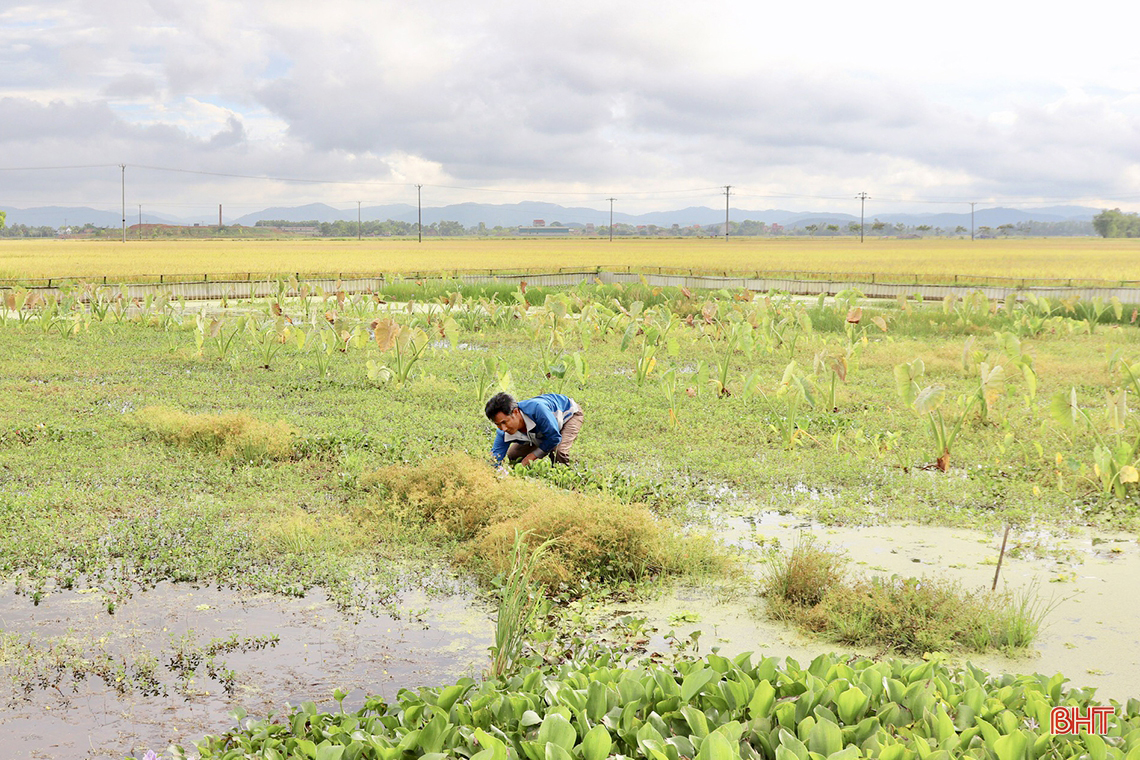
825,738
554,752
762,700
852,705
929,399
694,682
557,729
330,752
717,747
1011,747
596,743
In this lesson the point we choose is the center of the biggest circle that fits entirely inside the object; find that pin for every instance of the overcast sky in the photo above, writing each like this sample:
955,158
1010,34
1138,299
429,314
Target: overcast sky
796,105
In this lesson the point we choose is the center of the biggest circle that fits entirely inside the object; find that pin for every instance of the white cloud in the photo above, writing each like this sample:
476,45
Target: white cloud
822,99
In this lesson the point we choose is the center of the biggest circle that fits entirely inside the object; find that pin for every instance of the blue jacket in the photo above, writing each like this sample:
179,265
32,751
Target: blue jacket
543,418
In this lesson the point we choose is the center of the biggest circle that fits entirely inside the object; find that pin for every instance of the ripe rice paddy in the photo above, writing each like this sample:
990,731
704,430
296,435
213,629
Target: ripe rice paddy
933,259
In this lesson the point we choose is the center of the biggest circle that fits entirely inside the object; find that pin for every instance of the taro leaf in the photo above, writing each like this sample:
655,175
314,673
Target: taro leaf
880,323
1030,380
596,743
694,682
1064,408
929,399
1116,409
558,730
839,366
629,334
1129,474
386,332
993,381
854,316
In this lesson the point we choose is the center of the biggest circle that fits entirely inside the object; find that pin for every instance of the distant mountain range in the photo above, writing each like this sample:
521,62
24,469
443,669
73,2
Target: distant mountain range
515,214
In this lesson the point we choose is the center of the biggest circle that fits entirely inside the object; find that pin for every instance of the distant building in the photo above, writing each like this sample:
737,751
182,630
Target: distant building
543,231
539,223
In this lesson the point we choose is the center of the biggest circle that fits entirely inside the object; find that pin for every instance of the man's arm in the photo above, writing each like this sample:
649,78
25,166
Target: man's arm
499,447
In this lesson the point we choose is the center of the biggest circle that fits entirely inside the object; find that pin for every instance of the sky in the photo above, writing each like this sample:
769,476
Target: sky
659,104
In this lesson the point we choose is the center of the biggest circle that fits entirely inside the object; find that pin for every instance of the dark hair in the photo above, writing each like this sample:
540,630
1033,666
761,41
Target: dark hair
500,403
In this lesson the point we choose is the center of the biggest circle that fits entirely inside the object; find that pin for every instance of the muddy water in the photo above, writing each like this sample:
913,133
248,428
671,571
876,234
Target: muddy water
1092,635
319,650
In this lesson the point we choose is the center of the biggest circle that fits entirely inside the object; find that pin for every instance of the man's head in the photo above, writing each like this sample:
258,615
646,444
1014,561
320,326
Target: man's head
504,413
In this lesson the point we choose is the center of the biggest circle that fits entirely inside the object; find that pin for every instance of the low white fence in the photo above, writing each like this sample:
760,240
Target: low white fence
264,288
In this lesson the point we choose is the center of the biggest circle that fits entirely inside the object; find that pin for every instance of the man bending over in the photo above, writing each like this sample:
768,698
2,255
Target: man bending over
543,426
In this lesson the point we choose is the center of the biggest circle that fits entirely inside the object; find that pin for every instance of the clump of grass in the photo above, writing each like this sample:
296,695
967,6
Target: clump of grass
802,577
237,436
454,494
808,587
597,539
518,604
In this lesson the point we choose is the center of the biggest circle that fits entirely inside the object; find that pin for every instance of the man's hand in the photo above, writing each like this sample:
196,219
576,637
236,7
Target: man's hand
527,460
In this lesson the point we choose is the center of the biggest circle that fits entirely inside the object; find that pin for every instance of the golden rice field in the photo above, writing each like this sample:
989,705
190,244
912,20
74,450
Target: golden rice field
934,259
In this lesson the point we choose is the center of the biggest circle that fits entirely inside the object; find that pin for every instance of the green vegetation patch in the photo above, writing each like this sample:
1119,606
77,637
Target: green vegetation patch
237,435
809,586
596,538
712,708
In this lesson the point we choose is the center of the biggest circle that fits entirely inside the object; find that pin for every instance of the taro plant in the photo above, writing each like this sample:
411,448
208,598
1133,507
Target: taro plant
927,402
269,338
1091,312
654,332
829,372
788,406
1115,458
491,373
737,337
668,384
406,346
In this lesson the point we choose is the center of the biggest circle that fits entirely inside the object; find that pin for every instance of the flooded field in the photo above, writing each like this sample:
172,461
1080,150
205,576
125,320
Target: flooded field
1090,636
318,650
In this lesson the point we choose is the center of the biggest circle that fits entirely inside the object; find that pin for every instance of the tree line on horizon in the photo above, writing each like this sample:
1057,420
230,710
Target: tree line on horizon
1107,223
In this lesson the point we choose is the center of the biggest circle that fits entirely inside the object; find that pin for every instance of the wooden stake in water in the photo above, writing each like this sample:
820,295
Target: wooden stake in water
1000,556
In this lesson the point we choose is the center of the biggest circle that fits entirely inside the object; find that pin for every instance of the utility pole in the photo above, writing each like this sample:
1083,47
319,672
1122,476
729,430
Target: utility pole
358,232
727,191
140,221
123,184
862,202
219,217
611,200
419,215
972,219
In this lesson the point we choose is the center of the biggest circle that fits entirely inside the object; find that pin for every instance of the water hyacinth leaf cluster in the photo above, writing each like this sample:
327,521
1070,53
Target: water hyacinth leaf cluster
710,708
